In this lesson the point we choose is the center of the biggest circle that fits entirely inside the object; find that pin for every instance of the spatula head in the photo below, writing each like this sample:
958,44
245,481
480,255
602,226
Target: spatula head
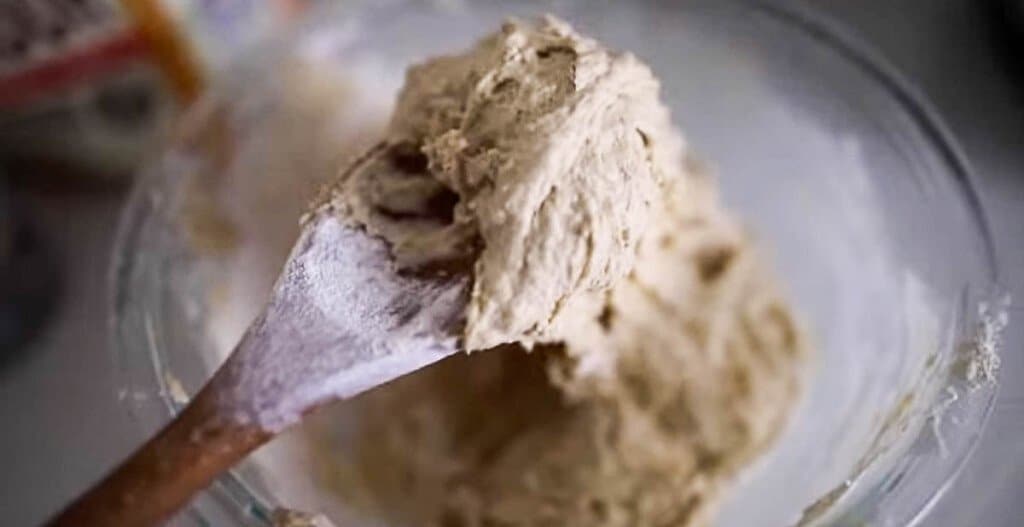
342,319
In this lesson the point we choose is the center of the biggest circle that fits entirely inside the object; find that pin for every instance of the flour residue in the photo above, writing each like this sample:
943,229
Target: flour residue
664,358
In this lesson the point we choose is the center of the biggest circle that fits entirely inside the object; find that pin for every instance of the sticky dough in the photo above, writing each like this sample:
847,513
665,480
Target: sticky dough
663,357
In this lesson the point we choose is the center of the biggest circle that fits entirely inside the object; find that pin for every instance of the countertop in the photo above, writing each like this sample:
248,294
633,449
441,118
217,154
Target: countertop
63,429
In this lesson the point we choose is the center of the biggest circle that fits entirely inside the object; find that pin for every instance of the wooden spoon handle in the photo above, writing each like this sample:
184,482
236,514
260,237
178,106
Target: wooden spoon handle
161,476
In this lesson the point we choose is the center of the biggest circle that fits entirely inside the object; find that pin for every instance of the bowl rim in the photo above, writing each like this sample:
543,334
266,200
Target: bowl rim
797,15
868,59
857,51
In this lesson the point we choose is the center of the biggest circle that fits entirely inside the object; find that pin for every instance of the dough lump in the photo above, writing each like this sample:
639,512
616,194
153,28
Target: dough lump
551,149
664,359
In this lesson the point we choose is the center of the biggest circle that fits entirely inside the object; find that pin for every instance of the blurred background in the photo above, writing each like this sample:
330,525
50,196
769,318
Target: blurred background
90,88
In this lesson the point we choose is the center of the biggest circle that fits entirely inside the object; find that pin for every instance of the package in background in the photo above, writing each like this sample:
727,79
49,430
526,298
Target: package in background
88,87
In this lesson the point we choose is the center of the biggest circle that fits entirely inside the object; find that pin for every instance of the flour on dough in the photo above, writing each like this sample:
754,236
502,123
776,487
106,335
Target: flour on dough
664,358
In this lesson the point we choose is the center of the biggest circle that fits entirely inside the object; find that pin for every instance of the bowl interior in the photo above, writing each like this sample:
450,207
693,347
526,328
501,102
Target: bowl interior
849,185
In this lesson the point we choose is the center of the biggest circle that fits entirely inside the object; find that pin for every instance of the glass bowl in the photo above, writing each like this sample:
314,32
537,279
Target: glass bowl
842,172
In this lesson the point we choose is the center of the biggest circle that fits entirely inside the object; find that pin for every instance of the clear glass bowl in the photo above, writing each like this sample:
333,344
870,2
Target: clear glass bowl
854,186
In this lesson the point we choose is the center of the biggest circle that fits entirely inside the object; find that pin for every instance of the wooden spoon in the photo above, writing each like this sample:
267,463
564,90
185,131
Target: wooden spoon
342,319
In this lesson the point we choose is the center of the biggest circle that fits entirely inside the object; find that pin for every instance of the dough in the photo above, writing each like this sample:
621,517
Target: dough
663,357
554,150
